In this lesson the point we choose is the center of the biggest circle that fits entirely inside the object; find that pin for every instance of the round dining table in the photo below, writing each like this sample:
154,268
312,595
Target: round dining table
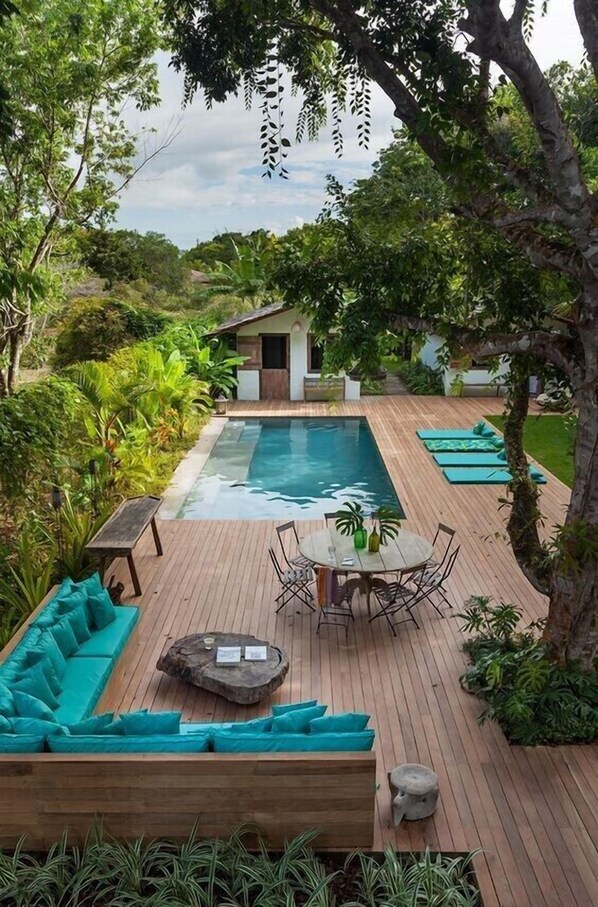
328,548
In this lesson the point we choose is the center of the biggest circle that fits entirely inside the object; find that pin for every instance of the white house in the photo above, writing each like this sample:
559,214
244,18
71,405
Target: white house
464,377
284,359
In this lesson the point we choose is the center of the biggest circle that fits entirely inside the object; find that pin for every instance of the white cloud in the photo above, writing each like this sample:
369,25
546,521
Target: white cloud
208,180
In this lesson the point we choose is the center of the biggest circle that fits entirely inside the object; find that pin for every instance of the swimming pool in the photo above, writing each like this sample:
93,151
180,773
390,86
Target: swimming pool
294,468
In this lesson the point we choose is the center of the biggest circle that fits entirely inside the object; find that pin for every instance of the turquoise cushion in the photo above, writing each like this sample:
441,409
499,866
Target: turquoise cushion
97,724
35,726
49,615
16,743
47,647
263,725
192,727
50,675
228,741
78,621
343,723
74,600
478,427
65,638
35,683
92,585
137,725
102,610
167,743
29,707
292,706
297,721
5,725
111,640
502,455
7,704
84,680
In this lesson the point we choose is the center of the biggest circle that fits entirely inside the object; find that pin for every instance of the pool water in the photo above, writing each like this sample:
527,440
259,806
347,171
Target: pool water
289,469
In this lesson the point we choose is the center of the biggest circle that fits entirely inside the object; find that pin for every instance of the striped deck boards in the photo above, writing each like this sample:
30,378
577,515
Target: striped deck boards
533,812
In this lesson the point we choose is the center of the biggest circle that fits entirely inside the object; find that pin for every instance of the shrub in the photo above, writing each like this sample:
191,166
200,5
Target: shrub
96,328
420,378
534,699
207,359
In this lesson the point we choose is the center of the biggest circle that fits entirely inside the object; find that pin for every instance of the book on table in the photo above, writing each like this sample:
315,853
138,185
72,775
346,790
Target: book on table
228,655
256,653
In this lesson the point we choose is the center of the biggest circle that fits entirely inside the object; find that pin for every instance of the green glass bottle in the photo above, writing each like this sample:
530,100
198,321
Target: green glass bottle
374,541
360,538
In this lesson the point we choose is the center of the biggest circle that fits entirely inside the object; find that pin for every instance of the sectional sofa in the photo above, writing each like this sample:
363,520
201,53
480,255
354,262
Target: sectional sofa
53,678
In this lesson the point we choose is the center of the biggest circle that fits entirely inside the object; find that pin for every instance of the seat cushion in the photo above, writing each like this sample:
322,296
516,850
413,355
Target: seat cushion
84,680
111,640
228,741
167,743
21,743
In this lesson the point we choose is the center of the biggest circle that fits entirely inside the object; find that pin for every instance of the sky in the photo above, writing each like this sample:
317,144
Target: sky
208,180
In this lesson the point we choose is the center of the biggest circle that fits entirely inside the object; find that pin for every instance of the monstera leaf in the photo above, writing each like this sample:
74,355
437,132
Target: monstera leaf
350,518
389,522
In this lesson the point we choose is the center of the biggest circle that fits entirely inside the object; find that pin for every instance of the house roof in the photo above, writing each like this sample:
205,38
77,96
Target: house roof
233,324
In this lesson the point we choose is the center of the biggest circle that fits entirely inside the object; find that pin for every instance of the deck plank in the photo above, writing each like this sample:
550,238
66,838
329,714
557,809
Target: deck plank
532,812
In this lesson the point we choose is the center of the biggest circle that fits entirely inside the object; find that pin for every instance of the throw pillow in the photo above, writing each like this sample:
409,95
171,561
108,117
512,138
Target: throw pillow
7,705
138,724
101,608
77,598
29,707
478,427
97,724
65,638
78,621
92,585
293,706
47,648
5,726
253,726
35,683
296,722
347,722
36,726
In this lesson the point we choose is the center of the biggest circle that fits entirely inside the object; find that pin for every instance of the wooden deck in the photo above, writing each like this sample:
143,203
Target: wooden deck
533,812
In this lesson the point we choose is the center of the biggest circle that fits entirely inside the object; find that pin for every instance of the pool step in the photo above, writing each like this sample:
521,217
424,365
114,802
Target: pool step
230,460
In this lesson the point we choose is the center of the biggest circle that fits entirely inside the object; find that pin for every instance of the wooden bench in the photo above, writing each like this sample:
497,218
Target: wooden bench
120,534
315,389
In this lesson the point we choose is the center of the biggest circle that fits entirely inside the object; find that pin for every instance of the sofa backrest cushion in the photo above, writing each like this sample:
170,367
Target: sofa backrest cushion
35,683
254,726
297,721
79,624
27,706
292,706
47,647
346,722
7,703
73,600
64,636
137,724
34,726
228,741
5,725
97,724
101,609
19,743
160,743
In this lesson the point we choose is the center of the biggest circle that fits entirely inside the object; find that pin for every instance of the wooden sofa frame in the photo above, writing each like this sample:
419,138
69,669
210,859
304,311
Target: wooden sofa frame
165,795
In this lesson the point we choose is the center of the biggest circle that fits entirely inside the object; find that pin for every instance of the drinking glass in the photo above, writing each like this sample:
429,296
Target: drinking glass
208,642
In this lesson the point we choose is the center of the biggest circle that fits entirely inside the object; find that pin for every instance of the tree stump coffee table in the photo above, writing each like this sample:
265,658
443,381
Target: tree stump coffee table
245,683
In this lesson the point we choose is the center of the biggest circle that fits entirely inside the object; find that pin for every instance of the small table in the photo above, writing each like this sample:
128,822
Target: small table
119,535
245,683
405,553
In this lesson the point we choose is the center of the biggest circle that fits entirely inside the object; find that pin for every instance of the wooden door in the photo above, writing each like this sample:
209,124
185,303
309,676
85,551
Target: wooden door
274,376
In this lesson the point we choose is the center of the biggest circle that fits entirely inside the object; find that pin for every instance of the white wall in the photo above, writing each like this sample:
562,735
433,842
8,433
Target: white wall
480,377
282,324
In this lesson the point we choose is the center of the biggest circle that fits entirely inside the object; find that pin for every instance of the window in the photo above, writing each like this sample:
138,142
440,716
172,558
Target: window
315,354
274,351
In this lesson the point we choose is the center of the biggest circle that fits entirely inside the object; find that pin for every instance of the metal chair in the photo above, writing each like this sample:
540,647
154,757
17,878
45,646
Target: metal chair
394,598
298,560
295,583
433,582
330,517
340,613
431,567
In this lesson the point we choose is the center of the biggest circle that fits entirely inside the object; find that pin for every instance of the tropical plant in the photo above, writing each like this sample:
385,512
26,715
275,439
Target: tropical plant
209,360
31,576
245,277
350,518
420,378
78,526
517,154
534,700
388,523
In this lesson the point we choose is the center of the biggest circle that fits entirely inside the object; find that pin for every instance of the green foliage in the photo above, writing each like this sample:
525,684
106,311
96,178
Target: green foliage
221,248
218,872
96,328
420,378
389,523
549,439
349,518
208,360
31,576
245,277
126,255
36,426
535,700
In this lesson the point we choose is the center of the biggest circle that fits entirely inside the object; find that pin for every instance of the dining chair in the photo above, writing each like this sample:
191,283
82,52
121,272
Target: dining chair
331,517
433,582
297,560
430,568
339,613
295,583
394,598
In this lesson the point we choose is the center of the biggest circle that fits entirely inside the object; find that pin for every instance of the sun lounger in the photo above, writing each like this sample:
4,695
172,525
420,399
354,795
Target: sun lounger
437,434
485,445
479,476
473,458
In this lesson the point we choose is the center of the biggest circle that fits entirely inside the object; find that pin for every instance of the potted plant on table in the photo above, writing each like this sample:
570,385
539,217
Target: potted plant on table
350,521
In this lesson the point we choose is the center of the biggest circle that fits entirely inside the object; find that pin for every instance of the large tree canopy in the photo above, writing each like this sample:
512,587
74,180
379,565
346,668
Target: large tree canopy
436,60
69,71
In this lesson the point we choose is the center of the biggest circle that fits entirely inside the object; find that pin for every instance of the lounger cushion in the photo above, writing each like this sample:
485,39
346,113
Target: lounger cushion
502,455
478,476
160,743
84,681
486,445
19,743
439,434
102,610
228,741
193,727
111,640
140,724
291,706
297,721
343,723
469,459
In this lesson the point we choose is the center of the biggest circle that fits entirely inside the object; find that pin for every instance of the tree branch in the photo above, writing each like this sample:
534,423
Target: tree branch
586,13
518,14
